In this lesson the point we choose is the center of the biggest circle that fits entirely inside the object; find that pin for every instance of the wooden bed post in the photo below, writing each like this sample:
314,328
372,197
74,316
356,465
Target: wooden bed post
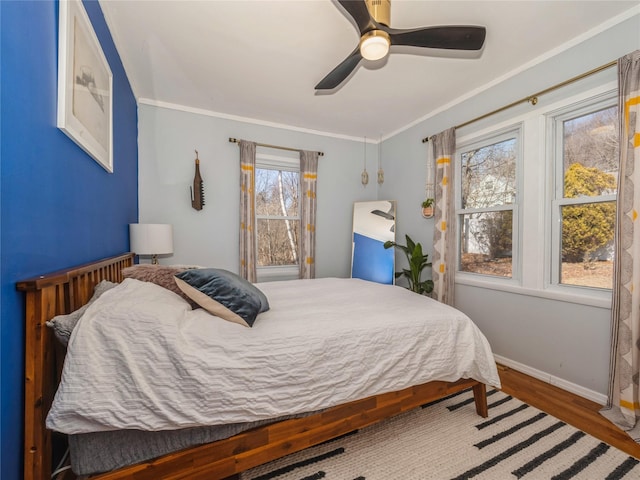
39,379
480,398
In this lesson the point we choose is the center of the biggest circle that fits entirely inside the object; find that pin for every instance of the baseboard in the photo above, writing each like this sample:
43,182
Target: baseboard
558,382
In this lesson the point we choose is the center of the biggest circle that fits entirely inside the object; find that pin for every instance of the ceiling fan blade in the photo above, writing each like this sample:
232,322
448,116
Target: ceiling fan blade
360,13
341,72
449,37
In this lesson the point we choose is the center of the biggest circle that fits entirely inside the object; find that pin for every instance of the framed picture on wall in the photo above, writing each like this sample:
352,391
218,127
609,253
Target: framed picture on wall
85,85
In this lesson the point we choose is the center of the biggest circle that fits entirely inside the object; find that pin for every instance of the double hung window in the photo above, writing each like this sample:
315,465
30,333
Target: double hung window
487,204
583,207
277,187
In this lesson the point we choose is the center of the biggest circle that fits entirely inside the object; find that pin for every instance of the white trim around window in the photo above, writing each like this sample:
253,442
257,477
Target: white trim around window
557,200
285,162
535,193
498,136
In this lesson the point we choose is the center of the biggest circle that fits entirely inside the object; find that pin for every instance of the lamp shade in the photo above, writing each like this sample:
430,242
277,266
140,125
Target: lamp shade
151,238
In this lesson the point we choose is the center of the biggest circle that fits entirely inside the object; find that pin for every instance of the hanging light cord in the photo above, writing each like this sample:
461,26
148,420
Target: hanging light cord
380,170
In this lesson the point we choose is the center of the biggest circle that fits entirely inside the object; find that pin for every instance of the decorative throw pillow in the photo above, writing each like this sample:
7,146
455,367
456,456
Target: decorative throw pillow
63,325
160,275
223,294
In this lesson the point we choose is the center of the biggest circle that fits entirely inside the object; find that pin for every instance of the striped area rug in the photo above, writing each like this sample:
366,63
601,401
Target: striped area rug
446,440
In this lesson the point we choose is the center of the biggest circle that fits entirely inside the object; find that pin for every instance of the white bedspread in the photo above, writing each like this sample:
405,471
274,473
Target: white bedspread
141,359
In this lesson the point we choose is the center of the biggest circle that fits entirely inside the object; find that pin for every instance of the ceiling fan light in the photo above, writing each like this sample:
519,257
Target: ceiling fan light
374,45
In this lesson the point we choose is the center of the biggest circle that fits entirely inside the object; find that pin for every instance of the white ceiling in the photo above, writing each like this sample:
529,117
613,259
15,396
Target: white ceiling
261,59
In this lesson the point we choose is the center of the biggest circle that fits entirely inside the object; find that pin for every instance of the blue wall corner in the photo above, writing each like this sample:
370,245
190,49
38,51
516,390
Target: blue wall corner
58,206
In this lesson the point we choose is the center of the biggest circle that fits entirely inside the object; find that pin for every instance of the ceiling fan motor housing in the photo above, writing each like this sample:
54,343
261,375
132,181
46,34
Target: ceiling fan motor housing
380,10
372,19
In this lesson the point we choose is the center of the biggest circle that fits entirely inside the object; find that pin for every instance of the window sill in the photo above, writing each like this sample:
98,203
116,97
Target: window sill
274,274
590,297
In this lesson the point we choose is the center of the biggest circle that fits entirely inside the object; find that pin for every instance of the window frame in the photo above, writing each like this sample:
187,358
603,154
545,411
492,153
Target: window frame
512,131
535,210
284,163
556,200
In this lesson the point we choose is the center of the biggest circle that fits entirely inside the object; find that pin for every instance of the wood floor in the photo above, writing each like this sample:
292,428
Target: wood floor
570,408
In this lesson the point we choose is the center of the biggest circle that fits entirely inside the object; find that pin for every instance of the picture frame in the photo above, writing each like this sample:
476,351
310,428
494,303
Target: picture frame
85,85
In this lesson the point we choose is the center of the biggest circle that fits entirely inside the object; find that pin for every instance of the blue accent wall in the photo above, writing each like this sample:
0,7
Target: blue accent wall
58,206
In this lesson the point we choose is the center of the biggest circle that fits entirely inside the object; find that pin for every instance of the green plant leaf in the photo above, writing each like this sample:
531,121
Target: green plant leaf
417,262
410,244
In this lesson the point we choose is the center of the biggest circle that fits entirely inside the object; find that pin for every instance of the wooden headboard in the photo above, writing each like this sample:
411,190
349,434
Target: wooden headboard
47,296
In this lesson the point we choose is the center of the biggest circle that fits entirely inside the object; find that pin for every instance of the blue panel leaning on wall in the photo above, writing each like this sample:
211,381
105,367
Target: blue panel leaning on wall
371,261
58,206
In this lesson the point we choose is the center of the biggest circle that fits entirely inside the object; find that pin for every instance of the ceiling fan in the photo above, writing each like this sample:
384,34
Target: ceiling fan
376,37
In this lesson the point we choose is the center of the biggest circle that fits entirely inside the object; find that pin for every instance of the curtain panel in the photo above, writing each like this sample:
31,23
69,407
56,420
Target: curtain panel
308,206
444,241
623,407
248,249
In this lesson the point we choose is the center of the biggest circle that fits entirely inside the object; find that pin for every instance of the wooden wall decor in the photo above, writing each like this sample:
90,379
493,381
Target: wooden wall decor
197,191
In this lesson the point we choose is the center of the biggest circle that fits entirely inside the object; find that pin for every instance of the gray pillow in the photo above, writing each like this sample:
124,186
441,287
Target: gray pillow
223,294
63,325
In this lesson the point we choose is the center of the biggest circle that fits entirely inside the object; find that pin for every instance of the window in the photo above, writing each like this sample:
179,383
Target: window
585,158
487,204
277,185
536,197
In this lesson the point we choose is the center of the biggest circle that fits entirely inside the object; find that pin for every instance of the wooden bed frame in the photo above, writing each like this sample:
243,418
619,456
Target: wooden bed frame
67,290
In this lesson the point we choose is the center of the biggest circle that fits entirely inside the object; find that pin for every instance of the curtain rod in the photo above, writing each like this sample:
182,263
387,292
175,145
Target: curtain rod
533,99
235,140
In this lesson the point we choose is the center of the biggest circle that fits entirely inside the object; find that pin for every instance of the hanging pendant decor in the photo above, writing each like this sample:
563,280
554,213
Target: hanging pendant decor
364,177
427,207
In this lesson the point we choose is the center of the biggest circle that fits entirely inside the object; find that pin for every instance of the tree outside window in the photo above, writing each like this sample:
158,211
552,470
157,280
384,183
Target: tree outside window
278,217
488,195
586,206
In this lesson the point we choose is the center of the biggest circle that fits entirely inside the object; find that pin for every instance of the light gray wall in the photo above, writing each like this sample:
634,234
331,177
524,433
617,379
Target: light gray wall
167,140
564,340
567,341
404,161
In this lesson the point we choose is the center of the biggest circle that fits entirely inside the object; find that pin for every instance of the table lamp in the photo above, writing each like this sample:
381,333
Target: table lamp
151,239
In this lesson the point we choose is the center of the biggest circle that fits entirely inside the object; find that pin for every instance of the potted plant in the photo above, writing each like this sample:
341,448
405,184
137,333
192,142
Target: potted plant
418,261
427,207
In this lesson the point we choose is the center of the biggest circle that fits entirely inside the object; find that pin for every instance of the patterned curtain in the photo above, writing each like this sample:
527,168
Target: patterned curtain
444,241
623,407
308,186
247,210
